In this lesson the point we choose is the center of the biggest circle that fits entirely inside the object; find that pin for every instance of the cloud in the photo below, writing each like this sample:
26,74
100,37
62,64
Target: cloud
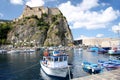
50,0
17,2
88,4
83,37
99,35
35,3
116,28
81,15
87,37
1,15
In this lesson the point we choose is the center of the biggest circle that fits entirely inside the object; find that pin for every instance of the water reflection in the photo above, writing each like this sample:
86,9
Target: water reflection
44,76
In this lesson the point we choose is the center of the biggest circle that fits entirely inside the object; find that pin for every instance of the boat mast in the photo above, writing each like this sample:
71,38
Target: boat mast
118,32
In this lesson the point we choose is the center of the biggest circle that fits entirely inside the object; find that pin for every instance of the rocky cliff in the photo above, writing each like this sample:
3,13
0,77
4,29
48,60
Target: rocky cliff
41,26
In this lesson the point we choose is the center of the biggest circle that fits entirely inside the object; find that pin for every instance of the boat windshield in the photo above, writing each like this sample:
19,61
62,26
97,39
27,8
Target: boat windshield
58,58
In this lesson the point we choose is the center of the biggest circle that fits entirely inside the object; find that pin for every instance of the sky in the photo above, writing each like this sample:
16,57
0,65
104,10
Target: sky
86,18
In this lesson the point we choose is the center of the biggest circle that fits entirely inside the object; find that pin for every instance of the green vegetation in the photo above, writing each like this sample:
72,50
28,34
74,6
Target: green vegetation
57,23
4,29
33,16
42,24
56,17
45,15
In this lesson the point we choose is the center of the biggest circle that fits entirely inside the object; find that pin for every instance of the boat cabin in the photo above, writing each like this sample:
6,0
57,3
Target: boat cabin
56,61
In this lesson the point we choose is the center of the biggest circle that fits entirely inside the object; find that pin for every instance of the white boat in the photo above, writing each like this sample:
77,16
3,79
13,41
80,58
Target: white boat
55,65
29,50
13,51
115,50
3,51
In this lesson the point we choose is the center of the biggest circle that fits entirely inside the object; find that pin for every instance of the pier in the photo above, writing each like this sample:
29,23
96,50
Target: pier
109,75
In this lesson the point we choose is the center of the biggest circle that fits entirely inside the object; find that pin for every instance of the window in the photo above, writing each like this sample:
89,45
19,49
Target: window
56,59
65,58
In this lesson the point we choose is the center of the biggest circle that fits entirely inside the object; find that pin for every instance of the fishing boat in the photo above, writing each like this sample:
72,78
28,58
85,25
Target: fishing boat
55,64
91,67
114,50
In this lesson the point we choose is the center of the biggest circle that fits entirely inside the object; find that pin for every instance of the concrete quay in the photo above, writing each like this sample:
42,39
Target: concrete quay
109,75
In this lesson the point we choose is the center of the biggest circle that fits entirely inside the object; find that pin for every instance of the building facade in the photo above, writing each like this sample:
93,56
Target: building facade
103,42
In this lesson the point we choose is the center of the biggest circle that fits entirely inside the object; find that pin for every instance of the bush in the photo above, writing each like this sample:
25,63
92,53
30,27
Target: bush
56,23
44,15
4,29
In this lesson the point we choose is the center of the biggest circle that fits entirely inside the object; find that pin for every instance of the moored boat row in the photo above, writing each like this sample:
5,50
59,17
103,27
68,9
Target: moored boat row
94,68
111,63
111,51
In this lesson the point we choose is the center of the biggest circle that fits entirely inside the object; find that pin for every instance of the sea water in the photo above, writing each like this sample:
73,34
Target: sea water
25,66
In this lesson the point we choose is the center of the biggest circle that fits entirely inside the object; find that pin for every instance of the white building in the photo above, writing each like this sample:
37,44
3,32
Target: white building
103,42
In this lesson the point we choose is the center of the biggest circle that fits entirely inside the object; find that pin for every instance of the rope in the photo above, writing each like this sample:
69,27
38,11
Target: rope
20,70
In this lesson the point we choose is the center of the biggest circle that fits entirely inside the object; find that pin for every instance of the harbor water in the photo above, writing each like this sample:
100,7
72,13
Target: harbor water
25,66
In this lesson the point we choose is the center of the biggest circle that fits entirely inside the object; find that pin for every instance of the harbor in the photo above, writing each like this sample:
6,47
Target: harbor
26,65
59,40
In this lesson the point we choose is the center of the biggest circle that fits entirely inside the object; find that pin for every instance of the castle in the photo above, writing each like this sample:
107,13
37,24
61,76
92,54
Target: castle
38,11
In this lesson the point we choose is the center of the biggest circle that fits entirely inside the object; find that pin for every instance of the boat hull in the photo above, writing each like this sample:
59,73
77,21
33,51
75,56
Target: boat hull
91,67
113,52
58,72
94,71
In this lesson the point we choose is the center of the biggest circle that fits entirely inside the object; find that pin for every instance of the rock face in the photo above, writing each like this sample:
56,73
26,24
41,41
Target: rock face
40,26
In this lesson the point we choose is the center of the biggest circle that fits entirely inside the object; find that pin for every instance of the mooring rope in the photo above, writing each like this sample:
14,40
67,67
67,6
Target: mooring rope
19,70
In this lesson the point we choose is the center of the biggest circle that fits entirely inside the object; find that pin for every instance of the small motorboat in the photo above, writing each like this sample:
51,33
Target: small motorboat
93,49
91,67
